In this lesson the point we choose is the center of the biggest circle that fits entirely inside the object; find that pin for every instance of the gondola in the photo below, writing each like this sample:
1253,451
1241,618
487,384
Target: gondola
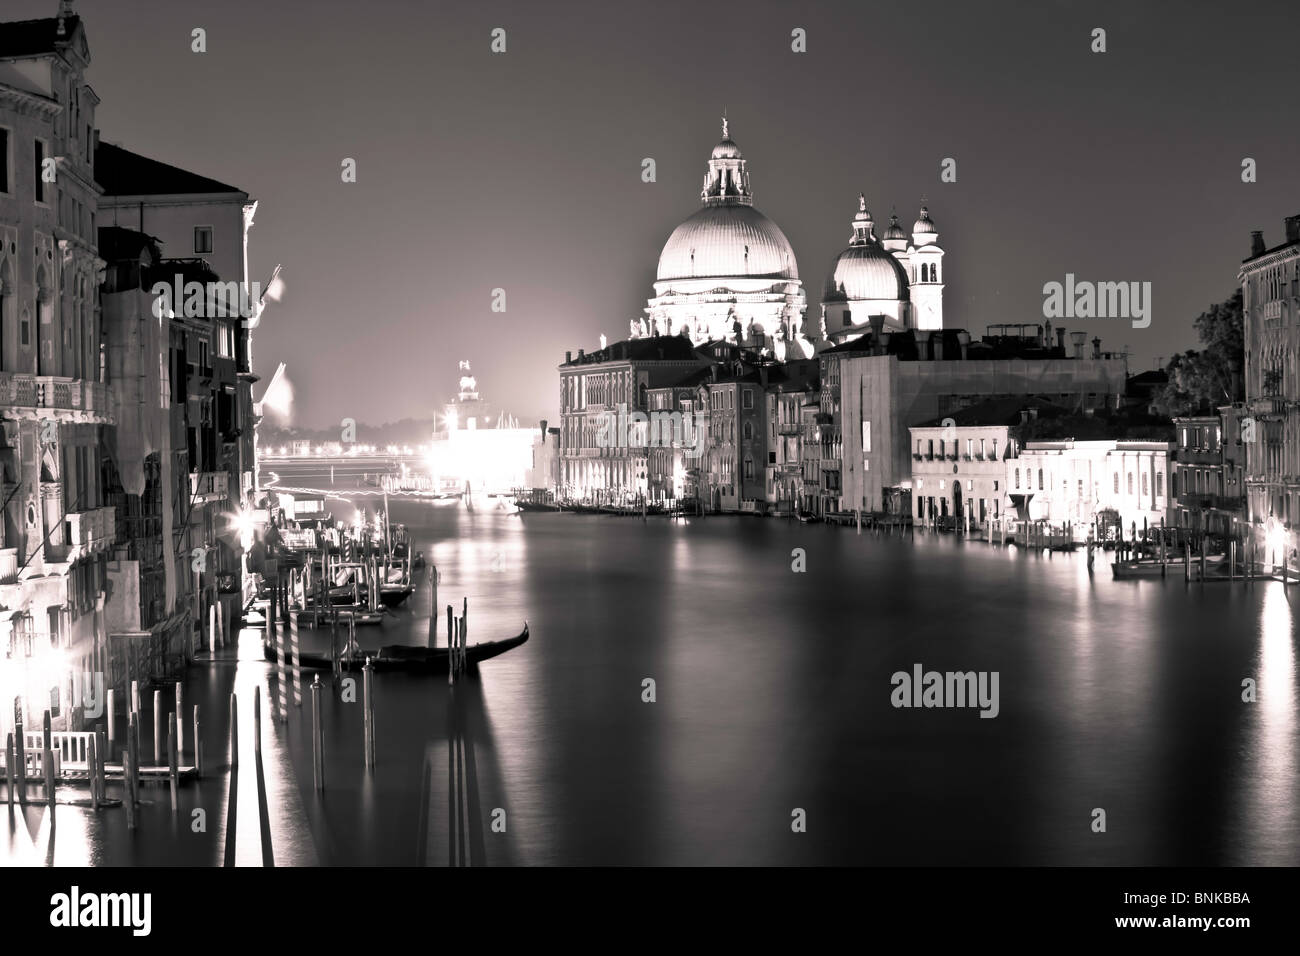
407,657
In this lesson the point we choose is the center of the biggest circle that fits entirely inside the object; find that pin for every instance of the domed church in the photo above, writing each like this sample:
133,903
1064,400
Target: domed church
728,272
889,280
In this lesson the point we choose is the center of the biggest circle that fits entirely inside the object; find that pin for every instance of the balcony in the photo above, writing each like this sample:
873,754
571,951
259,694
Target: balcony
91,531
8,565
788,428
79,400
209,486
1273,407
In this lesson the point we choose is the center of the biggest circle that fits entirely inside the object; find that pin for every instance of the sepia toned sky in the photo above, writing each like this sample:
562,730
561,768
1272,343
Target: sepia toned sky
522,170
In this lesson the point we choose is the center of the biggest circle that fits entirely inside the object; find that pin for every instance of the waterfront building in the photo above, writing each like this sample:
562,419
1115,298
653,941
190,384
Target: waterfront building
158,519
479,447
56,529
892,381
194,218
598,463
544,474
1270,288
1207,493
673,467
1087,483
959,472
791,400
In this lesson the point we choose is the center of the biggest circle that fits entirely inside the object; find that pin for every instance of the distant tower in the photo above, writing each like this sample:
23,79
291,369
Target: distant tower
925,265
468,385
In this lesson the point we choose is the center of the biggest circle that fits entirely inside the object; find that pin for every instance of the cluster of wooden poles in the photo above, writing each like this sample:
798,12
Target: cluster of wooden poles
101,745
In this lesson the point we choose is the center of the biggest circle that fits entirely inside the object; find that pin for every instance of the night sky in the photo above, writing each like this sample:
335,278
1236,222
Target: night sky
522,170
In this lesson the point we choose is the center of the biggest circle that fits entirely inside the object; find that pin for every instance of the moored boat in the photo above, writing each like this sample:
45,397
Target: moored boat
408,657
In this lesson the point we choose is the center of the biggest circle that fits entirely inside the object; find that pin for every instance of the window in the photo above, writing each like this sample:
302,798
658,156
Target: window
1160,484
749,398
1144,484
1117,482
749,469
39,155
1017,477
1040,479
202,240
1130,482
4,160
982,447
749,431
995,488
994,450
866,437
970,447
932,448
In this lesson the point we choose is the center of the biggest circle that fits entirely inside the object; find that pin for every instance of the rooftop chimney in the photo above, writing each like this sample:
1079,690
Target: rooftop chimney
581,355
543,429
1060,339
1096,348
568,357
963,340
1076,340
1256,243
1292,226
1045,335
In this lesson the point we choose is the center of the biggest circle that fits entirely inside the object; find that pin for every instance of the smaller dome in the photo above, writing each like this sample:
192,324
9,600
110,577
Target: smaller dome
726,150
895,231
924,225
866,271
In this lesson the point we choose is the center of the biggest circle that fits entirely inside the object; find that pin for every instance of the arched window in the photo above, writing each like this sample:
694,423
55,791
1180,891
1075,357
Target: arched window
1017,477
1117,482
1130,483
1040,479
1144,484
1160,484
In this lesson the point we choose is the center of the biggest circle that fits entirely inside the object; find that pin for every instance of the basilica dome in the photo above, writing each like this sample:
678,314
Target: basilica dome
727,241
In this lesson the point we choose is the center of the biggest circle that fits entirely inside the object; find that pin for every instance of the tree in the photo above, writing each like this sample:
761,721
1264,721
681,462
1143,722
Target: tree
1201,380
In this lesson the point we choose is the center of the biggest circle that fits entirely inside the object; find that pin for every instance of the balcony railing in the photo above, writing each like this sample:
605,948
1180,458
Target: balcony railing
8,565
1273,407
22,390
206,486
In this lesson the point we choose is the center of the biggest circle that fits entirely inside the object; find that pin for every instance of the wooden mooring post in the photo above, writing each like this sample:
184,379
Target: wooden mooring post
111,723
131,771
317,736
47,764
11,759
101,752
257,720
93,764
198,745
173,760
180,719
368,713
20,757
234,732
157,728
295,660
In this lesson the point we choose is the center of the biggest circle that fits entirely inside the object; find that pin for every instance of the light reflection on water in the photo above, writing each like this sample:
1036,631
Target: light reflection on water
772,693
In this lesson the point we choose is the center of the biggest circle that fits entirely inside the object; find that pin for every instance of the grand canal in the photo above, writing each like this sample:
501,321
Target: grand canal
772,694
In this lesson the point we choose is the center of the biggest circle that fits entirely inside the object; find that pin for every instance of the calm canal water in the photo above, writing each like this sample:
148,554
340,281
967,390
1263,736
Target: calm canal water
772,693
